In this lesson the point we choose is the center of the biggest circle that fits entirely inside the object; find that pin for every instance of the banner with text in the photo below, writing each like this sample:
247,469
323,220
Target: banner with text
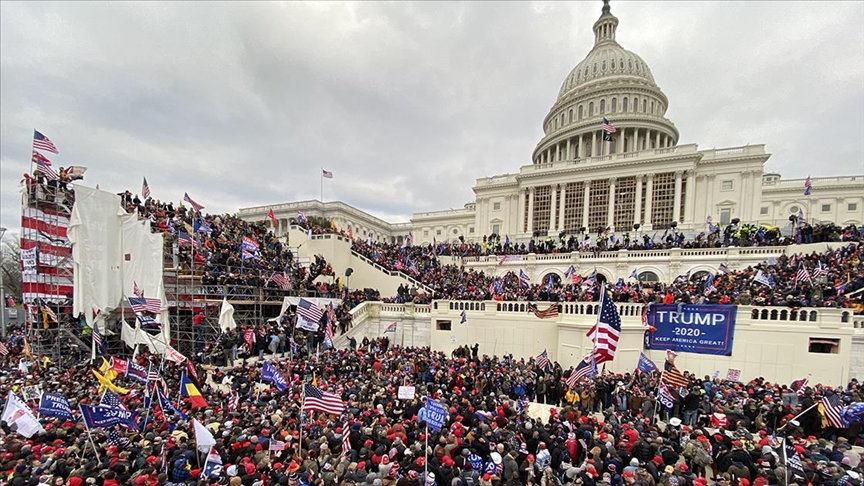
701,329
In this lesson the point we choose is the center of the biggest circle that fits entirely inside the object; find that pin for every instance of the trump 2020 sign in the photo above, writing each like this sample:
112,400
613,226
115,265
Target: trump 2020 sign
702,329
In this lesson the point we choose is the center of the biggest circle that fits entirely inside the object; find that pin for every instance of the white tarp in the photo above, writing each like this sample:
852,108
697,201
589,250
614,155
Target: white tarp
94,231
142,263
319,301
226,316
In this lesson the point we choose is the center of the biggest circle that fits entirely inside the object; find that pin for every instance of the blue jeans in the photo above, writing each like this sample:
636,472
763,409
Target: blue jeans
690,417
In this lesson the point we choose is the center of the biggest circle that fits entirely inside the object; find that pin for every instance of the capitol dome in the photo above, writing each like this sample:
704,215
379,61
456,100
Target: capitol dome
612,84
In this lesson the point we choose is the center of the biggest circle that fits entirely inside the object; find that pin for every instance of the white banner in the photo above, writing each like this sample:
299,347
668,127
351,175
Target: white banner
406,393
28,261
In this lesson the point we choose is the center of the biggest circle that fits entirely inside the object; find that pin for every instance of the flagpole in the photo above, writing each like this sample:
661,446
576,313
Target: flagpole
147,391
87,427
322,184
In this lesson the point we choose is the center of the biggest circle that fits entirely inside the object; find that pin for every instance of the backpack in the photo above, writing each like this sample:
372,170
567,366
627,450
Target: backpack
701,458
467,479
689,450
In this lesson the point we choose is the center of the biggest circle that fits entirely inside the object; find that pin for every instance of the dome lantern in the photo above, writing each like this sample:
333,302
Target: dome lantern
604,28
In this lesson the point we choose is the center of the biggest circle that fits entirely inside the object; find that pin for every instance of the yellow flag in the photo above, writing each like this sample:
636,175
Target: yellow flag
104,383
45,361
333,225
339,283
44,320
27,351
314,380
105,366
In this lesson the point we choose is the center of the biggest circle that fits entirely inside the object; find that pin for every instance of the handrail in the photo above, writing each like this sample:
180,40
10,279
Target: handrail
393,273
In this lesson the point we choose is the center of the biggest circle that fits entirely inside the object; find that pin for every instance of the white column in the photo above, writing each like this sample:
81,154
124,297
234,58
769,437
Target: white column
557,152
709,197
690,197
637,213
649,224
568,149
531,210
676,204
593,143
636,146
561,198
745,196
582,154
657,141
553,207
610,211
586,195
520,208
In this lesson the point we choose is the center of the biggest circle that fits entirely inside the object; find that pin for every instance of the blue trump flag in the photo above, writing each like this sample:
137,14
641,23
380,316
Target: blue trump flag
645,364
270,374
166,404
102,417
436,414
57,406
136,373
701,329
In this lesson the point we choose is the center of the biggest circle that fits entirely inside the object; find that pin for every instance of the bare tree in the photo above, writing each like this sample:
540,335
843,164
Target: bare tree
11,267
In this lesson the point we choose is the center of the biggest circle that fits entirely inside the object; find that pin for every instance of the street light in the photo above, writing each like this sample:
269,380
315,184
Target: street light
2,289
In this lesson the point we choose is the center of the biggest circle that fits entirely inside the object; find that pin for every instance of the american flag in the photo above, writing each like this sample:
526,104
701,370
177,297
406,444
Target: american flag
145,189
723,268
608,127
586,368
808,186
3,349
803,274
390,327
301,217
315,399
550,312
346,439
184,239
42,142
111,399
326,174
606,332
49,313
800,386
233,401
137,290
197,207
98,342
309,311
277,445
43,166
282,280
645,309
820,270
143,304
115,438
524,276
542,360
674,378
831,410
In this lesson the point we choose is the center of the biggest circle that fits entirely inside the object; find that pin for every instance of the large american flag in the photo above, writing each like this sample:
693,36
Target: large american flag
315,399
803,274
143,304
282,280
197,207
309,311
42,142
607,331
98,341
608,127
542,360
43,166
674,378
820,271
4,351
831,409
550,312
145,189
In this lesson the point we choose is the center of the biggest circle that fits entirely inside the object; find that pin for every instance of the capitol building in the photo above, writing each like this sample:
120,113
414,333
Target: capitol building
584,175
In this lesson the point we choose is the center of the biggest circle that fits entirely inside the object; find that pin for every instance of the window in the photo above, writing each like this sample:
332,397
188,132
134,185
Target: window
614,105
624,104
726,186
556,122
635,104
823,346
442,325
648,276
602,106
496,206
562,119
763,210
630,64
604,66
652,107
496,229
471,230
591,109
438,232
725,216
793,210
580,112
570,117
826,208
595,68
644,106
425,233
852,207
455,231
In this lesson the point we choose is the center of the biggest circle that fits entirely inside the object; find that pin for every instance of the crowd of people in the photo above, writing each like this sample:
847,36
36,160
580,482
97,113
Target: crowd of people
605,430
828,279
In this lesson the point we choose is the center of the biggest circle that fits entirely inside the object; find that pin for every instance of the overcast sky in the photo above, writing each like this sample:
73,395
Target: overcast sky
407,103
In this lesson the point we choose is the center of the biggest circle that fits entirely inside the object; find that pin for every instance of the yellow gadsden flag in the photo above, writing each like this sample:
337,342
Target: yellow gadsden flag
105,382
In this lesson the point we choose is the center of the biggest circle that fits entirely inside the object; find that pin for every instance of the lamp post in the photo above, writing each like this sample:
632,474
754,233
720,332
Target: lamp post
2,289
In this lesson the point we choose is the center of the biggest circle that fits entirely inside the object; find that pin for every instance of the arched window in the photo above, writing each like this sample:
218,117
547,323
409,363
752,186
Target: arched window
652,107
648,277
562,119
644,106
570,116
595,68
553,277
624,104
591,109
603,67
579,116
614,105
630,64
578,75
602,106
635,104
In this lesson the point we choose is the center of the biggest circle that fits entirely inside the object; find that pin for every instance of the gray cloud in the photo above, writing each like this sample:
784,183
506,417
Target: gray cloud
407,103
